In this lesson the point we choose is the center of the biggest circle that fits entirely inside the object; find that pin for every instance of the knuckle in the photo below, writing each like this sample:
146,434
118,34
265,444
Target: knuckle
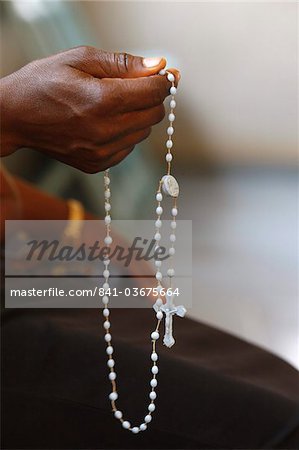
105,132
147,132
92,168
158,95
110,132
130,149
159,114
84,52
93,164
121,61
143,134
127,149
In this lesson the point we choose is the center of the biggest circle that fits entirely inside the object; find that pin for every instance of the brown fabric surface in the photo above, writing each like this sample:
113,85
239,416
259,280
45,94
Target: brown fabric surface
215,391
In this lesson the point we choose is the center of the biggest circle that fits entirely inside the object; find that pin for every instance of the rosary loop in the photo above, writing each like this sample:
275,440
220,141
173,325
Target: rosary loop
169,187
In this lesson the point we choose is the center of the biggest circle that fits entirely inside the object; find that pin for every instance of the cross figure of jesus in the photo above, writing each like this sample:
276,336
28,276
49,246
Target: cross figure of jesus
169,309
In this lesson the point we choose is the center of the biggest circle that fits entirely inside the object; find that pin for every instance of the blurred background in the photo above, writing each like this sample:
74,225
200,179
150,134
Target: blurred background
235,143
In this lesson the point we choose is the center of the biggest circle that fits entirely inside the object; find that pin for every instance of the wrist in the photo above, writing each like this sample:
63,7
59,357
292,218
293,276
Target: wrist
9,126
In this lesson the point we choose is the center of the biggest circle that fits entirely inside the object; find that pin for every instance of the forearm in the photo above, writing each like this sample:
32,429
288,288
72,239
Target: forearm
21,200
38,205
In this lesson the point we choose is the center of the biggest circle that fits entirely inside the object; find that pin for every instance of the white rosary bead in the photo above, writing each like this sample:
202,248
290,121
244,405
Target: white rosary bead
171,251
159,288
110,363
157,237
153,383
109,350
106,312
172,104
173,90
107,220
158,223
153,395
172,238
108,240
106,262
107,337
106,324
162,72
112,376
151,407
143,427
126,424
158,263
168,157
171,117
113,396
118,414
155,335
106,286
154,356
155,370
135,430
159,210
169,143
107,206
159,197
106,180
170,273
106,273
174,212
148,418
170,77
105,299
170,130
173,224
159,276
107,193
159,315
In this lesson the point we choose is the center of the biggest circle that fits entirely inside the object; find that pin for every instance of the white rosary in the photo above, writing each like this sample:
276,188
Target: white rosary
169,186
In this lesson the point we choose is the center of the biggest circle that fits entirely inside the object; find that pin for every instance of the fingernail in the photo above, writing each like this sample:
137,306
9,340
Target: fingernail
151,62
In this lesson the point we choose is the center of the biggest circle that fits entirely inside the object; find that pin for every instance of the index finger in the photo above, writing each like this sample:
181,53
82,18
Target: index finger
133,94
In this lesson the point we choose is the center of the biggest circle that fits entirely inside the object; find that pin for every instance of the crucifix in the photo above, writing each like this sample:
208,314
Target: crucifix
169,309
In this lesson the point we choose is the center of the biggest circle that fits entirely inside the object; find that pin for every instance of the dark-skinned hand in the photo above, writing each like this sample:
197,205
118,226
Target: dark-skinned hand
84,106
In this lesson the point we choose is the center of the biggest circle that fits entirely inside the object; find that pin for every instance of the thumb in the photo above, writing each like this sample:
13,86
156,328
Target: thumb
101,64
124,65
